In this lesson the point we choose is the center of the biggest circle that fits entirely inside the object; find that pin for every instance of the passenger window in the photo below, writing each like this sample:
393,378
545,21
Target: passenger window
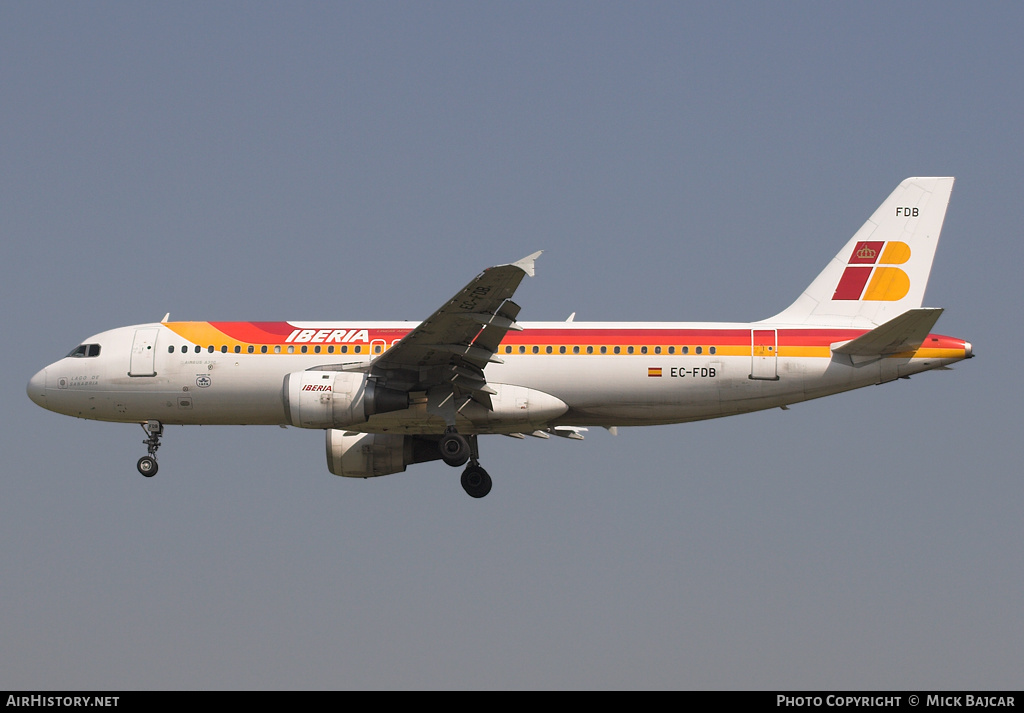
575,350
536,349
277,349
224,349
590,350
657,350
263,349
344,349
238,348
250,349
304,349
643,350
629,350
561,350
198,349
170,350
291,348
357,349
316,349
712,350
686,350
604,350
700,350
671,350
508,350
548,350
522,350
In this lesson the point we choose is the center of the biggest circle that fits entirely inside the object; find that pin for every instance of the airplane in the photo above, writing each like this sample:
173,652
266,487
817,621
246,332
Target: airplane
393,394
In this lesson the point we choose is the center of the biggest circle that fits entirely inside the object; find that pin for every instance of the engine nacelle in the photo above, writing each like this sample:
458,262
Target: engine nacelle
367,455
329,399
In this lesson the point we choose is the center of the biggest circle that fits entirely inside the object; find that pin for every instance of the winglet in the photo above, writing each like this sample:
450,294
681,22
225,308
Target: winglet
526,264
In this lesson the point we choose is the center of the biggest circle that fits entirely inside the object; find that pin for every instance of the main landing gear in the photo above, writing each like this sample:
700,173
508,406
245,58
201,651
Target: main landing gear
475,480
457,450
147,464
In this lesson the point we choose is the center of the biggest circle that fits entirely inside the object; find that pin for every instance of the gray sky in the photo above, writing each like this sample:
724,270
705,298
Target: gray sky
676,161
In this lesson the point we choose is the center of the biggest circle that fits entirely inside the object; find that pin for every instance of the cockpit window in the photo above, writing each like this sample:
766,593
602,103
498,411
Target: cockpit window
85,350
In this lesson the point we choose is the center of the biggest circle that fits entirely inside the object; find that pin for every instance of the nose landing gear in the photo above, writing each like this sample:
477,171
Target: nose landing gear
147,464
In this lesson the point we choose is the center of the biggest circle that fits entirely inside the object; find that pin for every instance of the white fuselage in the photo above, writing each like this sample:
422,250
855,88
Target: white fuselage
627,374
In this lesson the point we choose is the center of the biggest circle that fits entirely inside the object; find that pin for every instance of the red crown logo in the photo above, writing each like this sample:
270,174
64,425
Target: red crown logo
866,253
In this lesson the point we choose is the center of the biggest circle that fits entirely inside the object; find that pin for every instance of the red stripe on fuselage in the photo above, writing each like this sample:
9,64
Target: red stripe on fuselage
255,332
278,332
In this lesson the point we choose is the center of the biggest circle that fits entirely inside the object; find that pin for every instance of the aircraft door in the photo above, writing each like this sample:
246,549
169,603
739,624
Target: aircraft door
764,354
143,362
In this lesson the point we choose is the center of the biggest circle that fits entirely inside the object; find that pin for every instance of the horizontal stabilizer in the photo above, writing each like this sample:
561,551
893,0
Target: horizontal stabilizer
905,333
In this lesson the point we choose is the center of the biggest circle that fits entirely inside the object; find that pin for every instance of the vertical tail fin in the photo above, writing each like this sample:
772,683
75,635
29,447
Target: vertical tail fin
883,270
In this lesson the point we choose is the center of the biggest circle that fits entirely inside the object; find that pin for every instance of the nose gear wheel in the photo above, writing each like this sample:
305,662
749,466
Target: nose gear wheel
147,465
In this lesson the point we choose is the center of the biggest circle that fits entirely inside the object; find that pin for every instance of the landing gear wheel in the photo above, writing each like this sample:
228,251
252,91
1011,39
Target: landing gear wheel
147,466
475,481
454,449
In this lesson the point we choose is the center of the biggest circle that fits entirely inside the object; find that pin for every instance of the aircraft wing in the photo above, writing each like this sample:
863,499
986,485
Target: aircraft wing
450,349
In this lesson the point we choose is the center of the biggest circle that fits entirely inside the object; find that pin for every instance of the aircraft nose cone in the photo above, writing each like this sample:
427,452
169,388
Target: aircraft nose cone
37,388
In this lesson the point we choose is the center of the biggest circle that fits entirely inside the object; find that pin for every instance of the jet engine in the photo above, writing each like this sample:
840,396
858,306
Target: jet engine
367,455
331,399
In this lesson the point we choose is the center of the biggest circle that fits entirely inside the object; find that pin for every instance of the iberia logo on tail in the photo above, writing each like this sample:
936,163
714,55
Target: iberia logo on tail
869,275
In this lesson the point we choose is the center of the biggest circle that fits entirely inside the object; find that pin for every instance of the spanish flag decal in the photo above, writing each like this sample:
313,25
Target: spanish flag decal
654,371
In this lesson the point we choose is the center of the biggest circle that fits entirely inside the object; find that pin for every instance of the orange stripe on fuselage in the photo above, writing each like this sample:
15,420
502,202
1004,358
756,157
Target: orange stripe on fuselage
727,342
